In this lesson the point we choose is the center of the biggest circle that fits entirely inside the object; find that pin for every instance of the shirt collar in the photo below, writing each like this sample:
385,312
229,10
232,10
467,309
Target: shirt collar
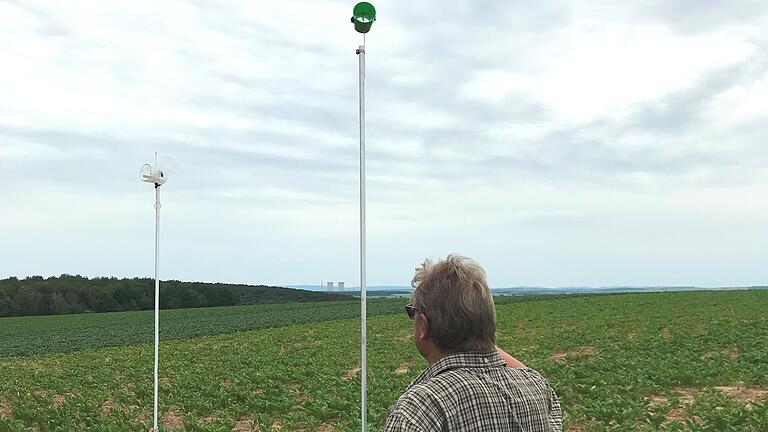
462,360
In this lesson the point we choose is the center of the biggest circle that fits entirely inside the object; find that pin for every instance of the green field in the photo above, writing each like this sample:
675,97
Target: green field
633,362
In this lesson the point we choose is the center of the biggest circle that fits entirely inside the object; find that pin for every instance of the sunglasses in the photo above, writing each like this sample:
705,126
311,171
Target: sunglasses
412,310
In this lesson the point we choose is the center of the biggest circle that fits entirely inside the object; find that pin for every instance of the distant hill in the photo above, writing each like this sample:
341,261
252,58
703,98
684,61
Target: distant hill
67,294
404,291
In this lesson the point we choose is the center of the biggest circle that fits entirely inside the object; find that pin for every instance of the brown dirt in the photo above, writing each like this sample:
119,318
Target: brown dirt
37,367
5,408
678,412
173,419
351,373
559,357
686,394
206,419
582,426
58,400
326,427
296,389
106,407
404,366
746,396
277,426
245,425
665,334
731,352
562,357
225,384
675,415
632,336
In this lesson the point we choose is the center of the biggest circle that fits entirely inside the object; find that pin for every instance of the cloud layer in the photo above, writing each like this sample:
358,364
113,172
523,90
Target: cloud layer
580,144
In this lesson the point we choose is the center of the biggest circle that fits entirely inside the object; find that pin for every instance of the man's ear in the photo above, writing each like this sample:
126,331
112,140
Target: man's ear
423,327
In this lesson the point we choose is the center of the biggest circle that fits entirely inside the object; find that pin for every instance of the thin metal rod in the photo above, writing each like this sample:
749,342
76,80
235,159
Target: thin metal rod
363,311
157,294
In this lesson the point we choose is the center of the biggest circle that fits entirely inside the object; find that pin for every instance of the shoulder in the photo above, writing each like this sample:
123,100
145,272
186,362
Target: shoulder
529,377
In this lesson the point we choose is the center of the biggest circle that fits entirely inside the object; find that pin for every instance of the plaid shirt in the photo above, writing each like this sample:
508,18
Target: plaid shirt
476,392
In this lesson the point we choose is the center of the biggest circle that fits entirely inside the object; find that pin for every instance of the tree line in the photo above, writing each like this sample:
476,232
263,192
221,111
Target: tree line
67,294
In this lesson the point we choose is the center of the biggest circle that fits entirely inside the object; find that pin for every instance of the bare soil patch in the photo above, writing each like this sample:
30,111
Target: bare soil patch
665,334
678,412
106,407
206,419
561,357
351,373
731,352
58,400
404,366
326,427
582,426
246,425
746,396
300,396
5,408
173,419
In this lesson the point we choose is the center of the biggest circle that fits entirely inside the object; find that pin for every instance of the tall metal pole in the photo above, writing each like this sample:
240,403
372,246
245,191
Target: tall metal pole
157,293
363,312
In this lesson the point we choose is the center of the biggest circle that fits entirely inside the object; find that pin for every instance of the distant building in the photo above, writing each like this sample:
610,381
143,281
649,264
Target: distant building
329,286
341,286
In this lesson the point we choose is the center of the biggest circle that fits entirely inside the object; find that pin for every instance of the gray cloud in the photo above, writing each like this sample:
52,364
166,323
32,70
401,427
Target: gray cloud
261,112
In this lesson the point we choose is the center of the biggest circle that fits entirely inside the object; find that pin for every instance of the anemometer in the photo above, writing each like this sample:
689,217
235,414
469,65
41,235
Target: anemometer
153,174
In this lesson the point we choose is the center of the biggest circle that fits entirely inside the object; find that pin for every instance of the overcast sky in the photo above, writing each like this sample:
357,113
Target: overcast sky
558,143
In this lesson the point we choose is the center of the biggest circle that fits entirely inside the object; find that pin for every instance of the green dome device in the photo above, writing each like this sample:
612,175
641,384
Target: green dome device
363,16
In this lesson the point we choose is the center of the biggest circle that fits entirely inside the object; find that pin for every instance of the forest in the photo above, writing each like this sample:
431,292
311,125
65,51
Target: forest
68,294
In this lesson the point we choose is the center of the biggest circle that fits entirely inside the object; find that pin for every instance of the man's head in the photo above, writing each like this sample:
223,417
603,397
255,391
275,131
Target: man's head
455,309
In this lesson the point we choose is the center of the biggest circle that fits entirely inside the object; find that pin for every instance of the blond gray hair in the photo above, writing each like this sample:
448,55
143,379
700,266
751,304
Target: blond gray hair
454,295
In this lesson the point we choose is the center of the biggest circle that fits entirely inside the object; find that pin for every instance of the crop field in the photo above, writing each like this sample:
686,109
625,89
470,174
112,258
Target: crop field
634,362
66,333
